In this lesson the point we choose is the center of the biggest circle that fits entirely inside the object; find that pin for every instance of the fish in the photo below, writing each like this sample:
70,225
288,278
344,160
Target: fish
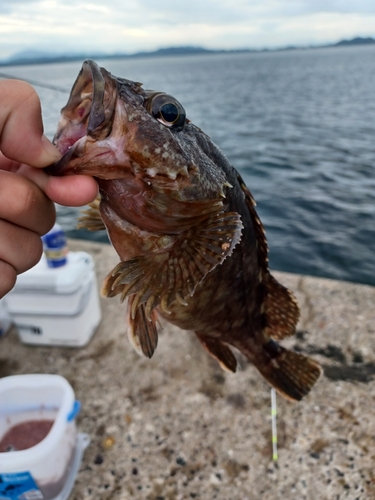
192,248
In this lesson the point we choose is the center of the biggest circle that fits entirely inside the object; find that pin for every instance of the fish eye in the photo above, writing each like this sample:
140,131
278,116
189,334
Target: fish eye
167,110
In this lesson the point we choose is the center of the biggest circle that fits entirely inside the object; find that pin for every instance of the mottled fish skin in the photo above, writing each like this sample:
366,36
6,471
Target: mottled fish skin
192,248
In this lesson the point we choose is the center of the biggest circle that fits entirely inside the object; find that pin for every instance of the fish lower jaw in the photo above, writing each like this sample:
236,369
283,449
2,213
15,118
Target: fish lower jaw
104,165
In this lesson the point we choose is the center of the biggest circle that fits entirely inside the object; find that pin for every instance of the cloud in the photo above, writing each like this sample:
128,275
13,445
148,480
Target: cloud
8,6
332,6
134,25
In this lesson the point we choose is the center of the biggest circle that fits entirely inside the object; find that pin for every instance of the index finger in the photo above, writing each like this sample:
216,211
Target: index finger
21,127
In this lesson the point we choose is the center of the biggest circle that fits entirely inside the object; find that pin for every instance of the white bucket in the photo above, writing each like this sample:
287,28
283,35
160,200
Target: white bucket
58,306
44,470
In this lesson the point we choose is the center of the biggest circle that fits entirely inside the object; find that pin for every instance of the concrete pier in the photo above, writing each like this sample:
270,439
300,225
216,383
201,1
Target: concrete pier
177,427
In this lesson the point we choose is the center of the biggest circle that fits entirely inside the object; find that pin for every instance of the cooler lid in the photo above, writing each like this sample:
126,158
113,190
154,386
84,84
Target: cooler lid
66,279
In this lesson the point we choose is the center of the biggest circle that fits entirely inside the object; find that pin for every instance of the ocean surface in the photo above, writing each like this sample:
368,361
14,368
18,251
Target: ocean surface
298,125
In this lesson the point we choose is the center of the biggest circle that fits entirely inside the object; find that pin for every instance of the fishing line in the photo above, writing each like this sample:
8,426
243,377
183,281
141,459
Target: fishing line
35,82
274,429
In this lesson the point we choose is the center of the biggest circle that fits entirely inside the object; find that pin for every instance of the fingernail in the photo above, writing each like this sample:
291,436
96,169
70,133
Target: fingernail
52,153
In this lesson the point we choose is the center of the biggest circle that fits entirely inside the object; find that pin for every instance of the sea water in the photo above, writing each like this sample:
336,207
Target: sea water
298,125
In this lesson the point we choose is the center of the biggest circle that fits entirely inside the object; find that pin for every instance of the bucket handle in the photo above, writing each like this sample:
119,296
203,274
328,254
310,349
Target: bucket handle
74,412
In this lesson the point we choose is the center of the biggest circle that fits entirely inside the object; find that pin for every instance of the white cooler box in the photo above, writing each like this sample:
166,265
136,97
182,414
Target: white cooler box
56,306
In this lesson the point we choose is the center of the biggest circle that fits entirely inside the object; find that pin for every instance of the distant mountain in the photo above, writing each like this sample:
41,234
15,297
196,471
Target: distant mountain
175,51
40,57
355,41
30,55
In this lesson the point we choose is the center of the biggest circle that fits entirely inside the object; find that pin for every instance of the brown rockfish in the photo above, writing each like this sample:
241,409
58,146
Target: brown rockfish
192,248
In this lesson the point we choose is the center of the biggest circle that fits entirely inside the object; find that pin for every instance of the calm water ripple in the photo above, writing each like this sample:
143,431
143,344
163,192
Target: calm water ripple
299,125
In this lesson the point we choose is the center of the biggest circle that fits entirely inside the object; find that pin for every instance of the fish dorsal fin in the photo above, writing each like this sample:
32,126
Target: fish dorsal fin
142,331
162,277
220,351
91,218
280,309
258,226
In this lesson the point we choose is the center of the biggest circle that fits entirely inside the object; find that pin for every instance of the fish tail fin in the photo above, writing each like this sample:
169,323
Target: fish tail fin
292,374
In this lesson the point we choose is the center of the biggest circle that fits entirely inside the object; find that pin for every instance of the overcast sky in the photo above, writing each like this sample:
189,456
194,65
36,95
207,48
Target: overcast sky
129,26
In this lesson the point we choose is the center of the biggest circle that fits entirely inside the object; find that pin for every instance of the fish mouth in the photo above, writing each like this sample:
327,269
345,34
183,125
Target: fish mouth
87,117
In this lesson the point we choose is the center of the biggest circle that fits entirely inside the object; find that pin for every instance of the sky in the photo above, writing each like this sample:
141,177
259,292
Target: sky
129,26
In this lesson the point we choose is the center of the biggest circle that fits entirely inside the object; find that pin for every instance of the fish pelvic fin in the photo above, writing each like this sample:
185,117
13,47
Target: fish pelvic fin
280,309
220,351
91,218
172,274
142,331
292,374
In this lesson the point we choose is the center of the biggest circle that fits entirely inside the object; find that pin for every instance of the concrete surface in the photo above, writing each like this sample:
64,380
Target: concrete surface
176,427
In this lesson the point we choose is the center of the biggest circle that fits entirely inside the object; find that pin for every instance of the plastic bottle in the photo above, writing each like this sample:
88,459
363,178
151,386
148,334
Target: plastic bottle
5,320
54,246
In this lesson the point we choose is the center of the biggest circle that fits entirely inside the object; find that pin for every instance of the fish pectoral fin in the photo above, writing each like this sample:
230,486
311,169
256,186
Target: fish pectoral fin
281,309
142,331
106,289
220,351
292,374
166,276
91,218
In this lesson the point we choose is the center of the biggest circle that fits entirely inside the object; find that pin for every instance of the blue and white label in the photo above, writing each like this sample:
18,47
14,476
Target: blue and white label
19,486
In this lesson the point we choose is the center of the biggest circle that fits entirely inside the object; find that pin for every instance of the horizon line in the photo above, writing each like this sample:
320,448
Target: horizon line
173,50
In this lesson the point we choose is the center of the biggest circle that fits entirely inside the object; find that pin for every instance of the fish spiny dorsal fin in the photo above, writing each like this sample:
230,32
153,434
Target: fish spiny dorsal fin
258,226
91,218
280,309
220,351
172,274
142,331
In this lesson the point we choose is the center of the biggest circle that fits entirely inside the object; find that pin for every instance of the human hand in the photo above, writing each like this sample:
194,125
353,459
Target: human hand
27,193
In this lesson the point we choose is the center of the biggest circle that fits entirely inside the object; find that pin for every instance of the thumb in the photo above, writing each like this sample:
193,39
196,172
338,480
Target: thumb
21,127
49,154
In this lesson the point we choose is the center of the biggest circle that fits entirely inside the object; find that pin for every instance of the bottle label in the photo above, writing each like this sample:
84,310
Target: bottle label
19,486
56,254
55,249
